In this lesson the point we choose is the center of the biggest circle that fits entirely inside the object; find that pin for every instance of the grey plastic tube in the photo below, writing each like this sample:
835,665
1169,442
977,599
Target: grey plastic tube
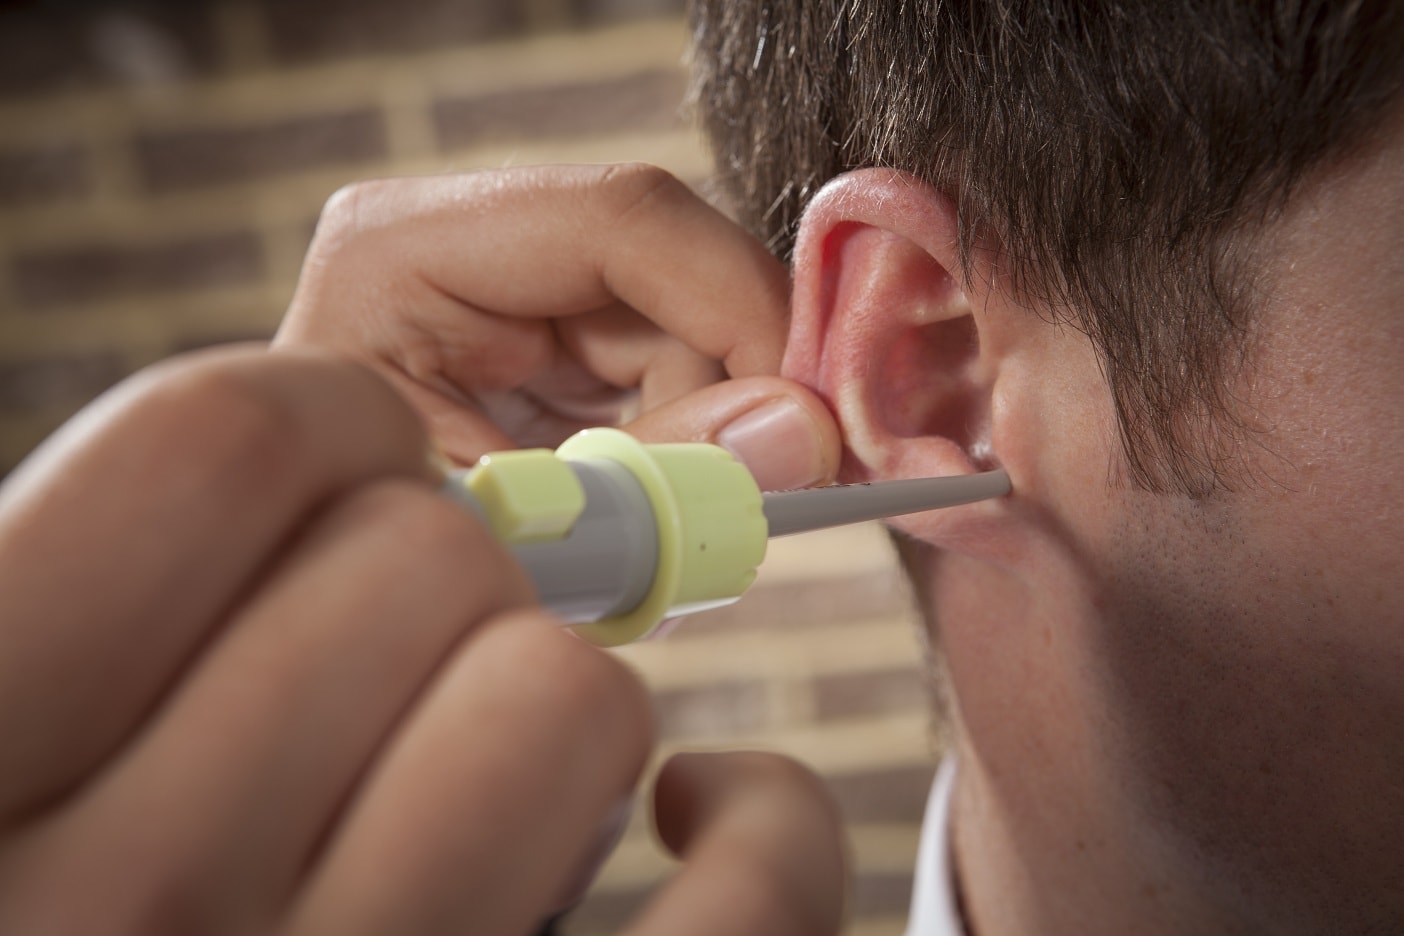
790,512
606,564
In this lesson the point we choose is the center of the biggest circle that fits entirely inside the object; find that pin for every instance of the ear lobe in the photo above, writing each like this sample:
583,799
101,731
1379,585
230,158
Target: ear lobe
886,331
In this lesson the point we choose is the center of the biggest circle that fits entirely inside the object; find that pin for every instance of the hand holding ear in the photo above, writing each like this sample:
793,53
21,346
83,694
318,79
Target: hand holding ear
516,307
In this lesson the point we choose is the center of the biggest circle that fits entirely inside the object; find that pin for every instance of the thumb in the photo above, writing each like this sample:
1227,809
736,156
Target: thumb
780,430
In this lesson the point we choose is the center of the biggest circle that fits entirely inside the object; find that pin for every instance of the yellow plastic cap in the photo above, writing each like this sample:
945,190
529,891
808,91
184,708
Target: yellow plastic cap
711,527
529,496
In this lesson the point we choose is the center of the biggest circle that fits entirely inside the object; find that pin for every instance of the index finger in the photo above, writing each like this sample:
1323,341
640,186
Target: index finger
551,241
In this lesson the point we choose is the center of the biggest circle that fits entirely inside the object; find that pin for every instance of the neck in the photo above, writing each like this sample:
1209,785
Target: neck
1045,835
1056,866
1045,840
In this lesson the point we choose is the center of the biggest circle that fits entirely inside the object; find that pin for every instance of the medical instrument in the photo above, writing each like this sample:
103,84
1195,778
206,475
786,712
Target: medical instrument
618,536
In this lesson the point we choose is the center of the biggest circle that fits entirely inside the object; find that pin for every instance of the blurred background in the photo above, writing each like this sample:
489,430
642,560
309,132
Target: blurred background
162,165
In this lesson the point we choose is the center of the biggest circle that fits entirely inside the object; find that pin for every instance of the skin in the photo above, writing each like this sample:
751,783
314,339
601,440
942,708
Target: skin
1172,715
257,677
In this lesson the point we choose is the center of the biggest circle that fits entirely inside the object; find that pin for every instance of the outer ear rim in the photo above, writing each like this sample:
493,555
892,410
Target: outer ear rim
907,206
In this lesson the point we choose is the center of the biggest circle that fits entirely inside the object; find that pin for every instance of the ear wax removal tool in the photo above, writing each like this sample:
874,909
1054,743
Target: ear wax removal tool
618,536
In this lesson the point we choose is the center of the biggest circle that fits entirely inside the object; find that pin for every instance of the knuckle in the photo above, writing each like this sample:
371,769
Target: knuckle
439,545
165,892
790,783
224,420
582,679
344,216
590,677
428,527
783,773
636,185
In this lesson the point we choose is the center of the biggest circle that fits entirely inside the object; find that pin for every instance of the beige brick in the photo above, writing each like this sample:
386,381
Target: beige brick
885,847
852,645
884,897
888,925
847,550
853,746
797,605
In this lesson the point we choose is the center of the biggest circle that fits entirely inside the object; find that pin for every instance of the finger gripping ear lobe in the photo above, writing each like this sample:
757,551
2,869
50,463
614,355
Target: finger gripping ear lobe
883,329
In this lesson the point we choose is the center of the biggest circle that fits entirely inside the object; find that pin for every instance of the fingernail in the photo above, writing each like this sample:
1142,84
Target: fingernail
779,443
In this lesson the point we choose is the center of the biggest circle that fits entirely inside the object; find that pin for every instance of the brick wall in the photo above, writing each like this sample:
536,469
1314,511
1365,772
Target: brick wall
162,165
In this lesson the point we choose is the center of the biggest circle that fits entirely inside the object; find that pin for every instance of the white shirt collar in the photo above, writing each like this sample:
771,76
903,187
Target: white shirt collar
935,907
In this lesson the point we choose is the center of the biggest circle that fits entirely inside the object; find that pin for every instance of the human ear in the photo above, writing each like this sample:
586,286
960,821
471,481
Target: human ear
887,329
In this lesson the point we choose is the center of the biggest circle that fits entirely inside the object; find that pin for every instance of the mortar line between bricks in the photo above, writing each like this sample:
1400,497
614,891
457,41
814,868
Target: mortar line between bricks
639,862
861,744
878,926
546,15
267,93
115,320
112,165
406,106
9,302
284,246
881,643
242,34
791,700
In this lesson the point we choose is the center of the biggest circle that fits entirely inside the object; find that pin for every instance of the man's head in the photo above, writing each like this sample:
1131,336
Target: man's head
1122,154
1143,255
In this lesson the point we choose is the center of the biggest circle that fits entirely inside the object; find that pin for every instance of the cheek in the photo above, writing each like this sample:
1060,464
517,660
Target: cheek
1253,720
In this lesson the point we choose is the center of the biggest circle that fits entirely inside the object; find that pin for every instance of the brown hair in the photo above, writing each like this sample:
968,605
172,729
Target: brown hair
1120,154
